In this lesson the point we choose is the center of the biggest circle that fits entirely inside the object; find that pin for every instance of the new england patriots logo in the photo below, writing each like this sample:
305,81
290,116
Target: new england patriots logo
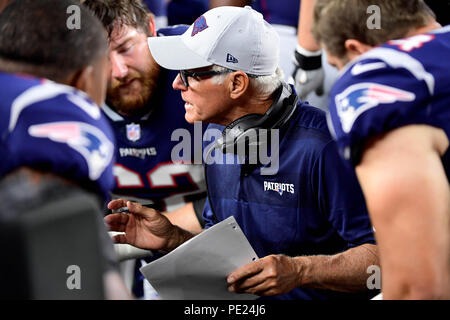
360,97
199,25
88,140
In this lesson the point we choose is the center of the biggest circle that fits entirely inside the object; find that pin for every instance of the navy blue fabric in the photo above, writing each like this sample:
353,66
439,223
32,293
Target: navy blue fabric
185,11
157,7
276,12
55,128
316,206
409,86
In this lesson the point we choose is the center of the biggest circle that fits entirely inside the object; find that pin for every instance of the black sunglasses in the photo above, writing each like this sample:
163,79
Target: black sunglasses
184,74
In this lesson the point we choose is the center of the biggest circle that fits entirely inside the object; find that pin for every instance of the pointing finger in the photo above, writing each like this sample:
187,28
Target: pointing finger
117,221
138,209
117,203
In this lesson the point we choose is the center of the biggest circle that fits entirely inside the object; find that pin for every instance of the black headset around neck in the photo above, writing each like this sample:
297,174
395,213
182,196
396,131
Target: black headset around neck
278,114
246,128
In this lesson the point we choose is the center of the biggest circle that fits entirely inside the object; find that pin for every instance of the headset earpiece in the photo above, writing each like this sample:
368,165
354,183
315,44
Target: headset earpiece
246,127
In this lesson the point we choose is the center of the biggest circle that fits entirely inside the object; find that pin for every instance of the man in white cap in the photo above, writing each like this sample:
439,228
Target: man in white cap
306,219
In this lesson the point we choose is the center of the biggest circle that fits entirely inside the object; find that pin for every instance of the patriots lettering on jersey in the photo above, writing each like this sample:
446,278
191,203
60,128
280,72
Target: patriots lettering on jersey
88,140
358,98
199,25
279,187
137,152
413,42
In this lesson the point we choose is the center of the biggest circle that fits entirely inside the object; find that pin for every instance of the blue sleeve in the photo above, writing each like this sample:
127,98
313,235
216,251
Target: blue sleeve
368,102
157,7
57,135
208,216
185,11
341,198
173,30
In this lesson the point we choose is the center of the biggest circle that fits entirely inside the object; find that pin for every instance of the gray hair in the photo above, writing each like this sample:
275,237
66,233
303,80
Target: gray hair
264,85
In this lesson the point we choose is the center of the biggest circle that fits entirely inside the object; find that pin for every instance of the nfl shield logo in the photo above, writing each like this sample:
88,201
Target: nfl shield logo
133,132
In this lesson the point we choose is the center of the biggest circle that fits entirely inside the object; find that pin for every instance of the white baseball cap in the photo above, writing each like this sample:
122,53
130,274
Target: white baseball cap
233,37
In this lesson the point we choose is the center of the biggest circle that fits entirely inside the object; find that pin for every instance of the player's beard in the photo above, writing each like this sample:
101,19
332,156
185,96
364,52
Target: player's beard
130,96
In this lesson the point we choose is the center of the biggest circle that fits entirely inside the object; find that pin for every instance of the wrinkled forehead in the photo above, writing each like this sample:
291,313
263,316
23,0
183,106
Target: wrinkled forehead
122,33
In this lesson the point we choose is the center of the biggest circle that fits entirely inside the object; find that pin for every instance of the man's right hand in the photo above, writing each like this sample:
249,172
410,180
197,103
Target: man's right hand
144,227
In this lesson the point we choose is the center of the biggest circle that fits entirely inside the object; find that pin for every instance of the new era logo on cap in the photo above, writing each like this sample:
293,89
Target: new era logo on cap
231,59
199,25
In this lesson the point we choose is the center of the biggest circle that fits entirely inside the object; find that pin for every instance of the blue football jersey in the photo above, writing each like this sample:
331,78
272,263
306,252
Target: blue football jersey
157,7
55,128
403,82
283,12
312,205
145,169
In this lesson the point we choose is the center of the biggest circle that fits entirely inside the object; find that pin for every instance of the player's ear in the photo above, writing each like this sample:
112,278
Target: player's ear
355,48
84,80
151,25
238,84
80,79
